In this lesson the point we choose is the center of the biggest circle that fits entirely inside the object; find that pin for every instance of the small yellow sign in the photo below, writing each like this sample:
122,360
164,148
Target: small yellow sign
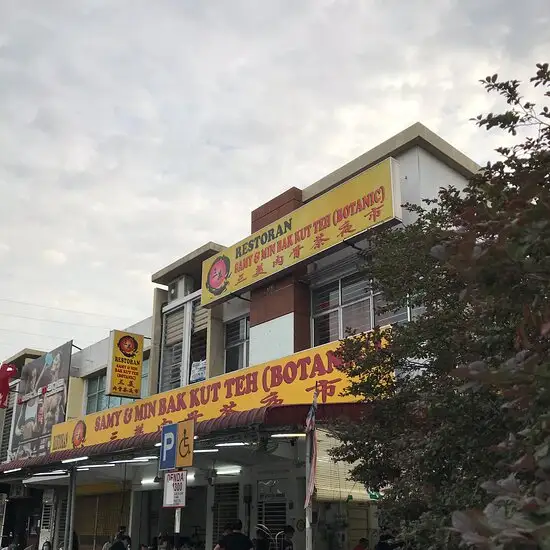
367,200
125,364
186,444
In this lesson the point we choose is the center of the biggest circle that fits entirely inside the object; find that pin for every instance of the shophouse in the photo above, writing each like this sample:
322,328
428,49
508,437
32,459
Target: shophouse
241,337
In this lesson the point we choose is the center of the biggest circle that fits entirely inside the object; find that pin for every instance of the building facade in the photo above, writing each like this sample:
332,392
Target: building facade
240,338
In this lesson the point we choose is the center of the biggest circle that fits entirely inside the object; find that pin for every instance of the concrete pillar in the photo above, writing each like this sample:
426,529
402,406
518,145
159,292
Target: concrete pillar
209,542
215,358
134,519
160,297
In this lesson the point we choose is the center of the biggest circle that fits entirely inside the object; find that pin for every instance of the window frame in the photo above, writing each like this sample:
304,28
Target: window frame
369,295
186,304
102,373
245,342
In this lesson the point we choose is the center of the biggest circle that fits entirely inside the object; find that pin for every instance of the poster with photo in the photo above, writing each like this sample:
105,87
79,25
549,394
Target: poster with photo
41,402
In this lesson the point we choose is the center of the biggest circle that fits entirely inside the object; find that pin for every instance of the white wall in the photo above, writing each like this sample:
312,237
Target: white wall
95,357
421,176
272,339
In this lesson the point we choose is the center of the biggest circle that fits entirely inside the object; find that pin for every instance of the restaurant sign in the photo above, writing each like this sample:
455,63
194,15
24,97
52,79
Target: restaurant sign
125,365
286,381
365,201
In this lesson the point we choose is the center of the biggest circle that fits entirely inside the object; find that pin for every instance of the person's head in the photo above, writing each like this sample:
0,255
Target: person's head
47,545
363,543
288,532
228,528
122,529
237,525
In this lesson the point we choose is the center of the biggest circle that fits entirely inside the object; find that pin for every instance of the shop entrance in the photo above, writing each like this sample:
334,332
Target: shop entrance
226,507
161,520
98,517
272,505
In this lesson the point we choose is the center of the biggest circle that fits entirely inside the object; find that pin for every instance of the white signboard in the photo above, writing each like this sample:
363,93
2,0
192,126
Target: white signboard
175,488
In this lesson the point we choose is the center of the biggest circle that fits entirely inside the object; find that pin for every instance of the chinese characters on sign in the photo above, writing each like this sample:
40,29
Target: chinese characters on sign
361,203
285,381
125,364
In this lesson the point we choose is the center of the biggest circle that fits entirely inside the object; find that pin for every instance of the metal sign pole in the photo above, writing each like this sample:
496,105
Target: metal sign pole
70,521
67,514
309,509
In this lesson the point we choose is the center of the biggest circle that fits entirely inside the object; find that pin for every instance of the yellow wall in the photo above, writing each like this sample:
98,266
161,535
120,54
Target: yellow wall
75,397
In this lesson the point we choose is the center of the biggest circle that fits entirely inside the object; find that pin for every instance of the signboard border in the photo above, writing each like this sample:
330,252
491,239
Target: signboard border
169,507
109,377
397,214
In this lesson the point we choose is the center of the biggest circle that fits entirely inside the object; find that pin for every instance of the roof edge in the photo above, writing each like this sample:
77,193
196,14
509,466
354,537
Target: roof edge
165,275
415,135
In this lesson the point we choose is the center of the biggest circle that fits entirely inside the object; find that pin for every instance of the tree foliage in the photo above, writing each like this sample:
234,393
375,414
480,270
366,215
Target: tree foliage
470,402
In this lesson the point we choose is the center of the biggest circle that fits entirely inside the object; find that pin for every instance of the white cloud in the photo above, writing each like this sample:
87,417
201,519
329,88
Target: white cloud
55,257
134,131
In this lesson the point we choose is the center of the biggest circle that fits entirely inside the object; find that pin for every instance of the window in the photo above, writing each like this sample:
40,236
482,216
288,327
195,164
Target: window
184,343
348,304
145,378
96,400
237,336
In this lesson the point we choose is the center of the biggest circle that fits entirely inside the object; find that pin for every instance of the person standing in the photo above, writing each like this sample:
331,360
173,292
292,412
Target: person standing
236,540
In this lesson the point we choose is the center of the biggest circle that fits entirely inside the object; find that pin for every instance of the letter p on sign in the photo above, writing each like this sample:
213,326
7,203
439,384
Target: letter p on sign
168,447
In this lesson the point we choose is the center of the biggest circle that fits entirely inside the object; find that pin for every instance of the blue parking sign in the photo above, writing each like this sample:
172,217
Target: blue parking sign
168,447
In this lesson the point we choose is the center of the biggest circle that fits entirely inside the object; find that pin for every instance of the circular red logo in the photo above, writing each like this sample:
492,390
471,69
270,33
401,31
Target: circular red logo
218,275
79,434
128,346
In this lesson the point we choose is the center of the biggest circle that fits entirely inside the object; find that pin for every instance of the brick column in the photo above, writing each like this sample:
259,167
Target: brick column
287,294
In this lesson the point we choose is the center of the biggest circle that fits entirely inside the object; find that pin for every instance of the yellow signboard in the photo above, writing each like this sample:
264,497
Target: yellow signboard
125,364
364,202
287,381
186,444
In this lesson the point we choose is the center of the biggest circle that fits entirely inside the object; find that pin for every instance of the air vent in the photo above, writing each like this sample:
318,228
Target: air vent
173,291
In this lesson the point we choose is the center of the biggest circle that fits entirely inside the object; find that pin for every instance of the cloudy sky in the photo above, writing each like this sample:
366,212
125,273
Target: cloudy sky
133,131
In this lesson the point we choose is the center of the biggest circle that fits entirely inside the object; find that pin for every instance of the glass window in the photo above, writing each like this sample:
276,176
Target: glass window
356,317
96,400
348,305
388,317
145,378
326,298
326,328
354,288
237,336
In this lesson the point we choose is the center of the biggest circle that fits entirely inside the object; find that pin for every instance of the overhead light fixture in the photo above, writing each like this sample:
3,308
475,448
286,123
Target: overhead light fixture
140,458
206,451
88,466
228,471
77,459
83,469
283,436
12,471
129,461
232,444
149,481
51,473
